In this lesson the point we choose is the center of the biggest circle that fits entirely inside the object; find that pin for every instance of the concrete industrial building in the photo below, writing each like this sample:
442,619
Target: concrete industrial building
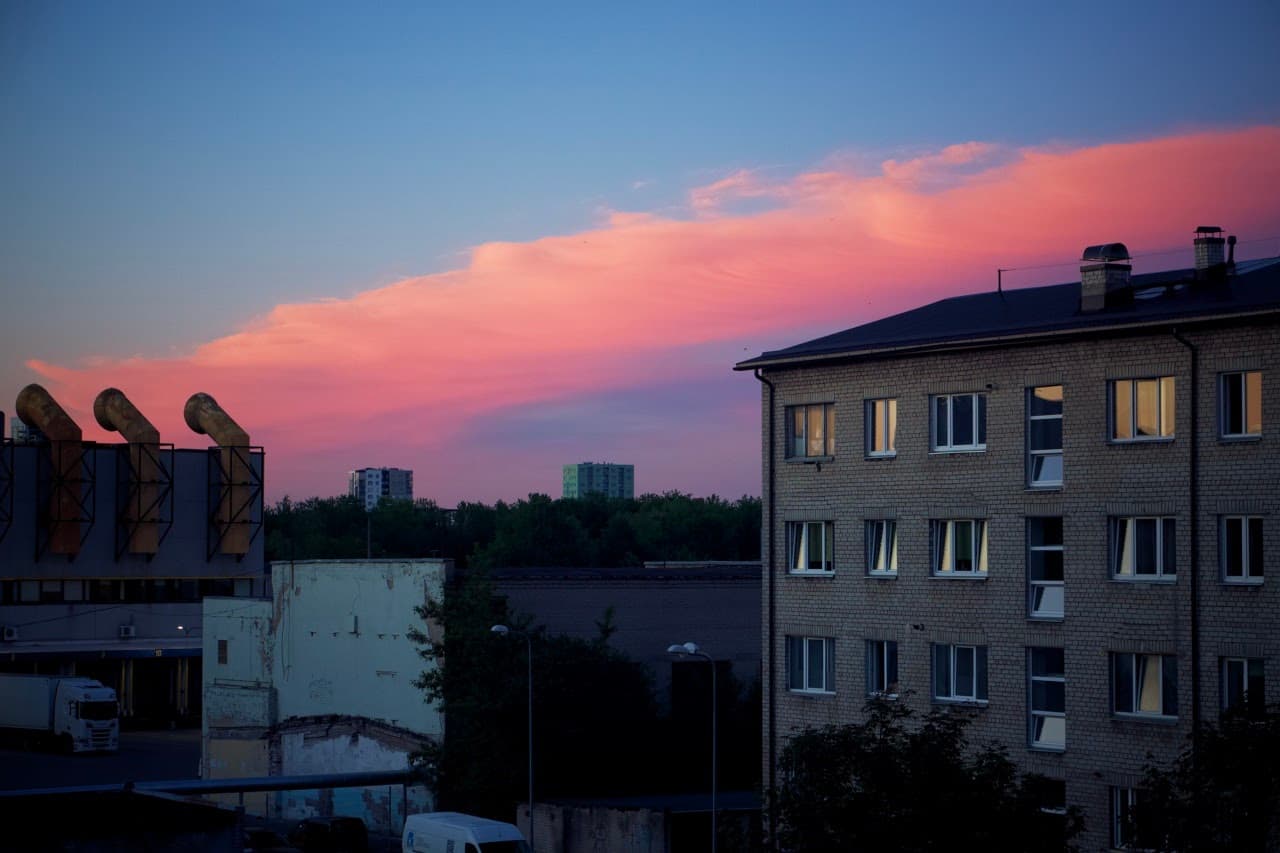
319,679
106,550
605,478
1054,505
370,485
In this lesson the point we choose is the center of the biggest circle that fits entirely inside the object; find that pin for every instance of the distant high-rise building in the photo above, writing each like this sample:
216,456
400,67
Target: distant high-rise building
21,433
371,485
606,478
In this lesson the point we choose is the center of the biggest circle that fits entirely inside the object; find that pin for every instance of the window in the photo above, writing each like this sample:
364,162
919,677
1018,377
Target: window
960,673
1242,685
1044,436
882,668
1142,409
882,547
811,430
959,422
1241,545
222,652
1048,705
1044,568
1142,548
810,545
959,547
1241,404
1124,810
1144,685
811,665
882,427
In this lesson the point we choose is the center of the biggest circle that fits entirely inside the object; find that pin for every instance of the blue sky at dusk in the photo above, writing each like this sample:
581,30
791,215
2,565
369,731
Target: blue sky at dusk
585,212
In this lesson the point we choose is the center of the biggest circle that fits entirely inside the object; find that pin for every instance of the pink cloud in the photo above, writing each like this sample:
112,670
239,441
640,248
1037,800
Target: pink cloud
420,363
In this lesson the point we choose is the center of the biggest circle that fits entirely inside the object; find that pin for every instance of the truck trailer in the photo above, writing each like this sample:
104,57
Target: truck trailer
67,712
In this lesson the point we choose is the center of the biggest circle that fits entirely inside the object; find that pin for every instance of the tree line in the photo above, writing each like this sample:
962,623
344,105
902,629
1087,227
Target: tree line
594,531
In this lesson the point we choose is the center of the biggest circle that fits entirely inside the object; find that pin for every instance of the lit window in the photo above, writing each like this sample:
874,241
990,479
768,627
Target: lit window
811,664
810,546
882,547
1241,404
959,547
1048,708
1241,540
882,668
882,427
960,673
811,430
1144,685
958,422
1142,409
1142,548
1044,568
1044,436
1243,681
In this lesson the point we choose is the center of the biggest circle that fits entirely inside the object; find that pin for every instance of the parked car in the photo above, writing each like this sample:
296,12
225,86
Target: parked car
331,835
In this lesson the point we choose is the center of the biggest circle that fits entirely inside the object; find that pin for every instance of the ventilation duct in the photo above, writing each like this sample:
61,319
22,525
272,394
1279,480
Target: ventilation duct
36,407
236,489
140,514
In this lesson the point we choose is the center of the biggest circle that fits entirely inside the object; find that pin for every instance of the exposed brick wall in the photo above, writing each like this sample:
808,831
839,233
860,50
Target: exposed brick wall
1101,479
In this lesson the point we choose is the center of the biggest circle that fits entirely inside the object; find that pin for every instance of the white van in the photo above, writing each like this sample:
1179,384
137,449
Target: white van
452,832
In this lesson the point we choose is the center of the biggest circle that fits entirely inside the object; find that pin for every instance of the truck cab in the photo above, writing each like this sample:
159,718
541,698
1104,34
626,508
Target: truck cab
87,715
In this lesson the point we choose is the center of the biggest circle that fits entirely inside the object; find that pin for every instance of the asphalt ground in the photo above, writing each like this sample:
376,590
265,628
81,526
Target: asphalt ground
143,756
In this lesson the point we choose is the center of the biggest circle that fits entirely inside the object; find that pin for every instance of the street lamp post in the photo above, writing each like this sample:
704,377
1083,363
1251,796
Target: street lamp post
691,650
502,631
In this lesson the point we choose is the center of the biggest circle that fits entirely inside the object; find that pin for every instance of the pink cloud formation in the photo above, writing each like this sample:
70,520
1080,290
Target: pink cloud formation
422,363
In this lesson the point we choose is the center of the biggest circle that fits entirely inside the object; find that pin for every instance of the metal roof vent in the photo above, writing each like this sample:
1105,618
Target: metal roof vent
1106,252
1104,279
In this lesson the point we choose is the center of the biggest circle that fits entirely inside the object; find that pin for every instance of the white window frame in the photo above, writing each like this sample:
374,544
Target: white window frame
798,551
1125,421
1225,702
1038,718
1034,454
882,420
807,645
1250,570
1039,588
1123,558
882,668
1249,380
882,547
1124,802
827,419
1132,693
977,687
936,444
943,556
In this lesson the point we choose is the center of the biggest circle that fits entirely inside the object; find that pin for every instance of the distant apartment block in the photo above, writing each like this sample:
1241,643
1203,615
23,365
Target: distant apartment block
1051,506
606,478
370,485
23,433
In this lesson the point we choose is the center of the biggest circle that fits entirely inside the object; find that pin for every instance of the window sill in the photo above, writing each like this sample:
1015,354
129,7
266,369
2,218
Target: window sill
956,451
811,693
1155,581
882,576
812,574
808,460
1051,619
1044,487
1242,581
1243,438
1159,439
959,576
881,695
893,454
962,703
1158,719
1044,747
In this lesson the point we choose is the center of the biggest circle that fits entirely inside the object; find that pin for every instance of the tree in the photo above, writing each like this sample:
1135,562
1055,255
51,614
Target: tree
887,784
1222,796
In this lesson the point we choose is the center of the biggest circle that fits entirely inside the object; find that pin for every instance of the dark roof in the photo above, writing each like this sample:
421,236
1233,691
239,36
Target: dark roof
1160,297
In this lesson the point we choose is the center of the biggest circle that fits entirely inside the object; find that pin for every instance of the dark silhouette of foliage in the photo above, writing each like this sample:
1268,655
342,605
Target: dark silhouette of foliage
888,784
1225,796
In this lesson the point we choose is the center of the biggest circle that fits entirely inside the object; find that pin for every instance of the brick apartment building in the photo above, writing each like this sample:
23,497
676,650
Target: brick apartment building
1050,504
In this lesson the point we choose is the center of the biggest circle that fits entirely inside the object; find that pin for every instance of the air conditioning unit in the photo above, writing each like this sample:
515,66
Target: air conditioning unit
128,632
10,633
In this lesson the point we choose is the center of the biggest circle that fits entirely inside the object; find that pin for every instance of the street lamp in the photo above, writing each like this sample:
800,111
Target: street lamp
502,631
691,650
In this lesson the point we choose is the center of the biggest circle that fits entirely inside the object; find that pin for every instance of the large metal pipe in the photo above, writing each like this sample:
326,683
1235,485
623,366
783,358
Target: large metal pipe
234,519
113,411
37,407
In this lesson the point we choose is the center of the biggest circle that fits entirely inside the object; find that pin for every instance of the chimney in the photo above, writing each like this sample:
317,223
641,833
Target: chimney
1209,245
141,514
36,407
1103,279
233,517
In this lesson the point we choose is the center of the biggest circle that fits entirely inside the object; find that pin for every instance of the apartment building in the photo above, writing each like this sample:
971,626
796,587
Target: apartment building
371,485
605,478
1055,505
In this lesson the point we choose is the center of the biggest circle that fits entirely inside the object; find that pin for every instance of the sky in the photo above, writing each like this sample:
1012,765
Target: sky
484,240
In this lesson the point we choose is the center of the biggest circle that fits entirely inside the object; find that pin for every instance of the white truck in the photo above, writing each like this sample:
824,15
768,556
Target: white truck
74,714
453,832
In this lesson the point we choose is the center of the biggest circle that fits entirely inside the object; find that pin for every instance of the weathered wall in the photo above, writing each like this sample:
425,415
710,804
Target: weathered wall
562,829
